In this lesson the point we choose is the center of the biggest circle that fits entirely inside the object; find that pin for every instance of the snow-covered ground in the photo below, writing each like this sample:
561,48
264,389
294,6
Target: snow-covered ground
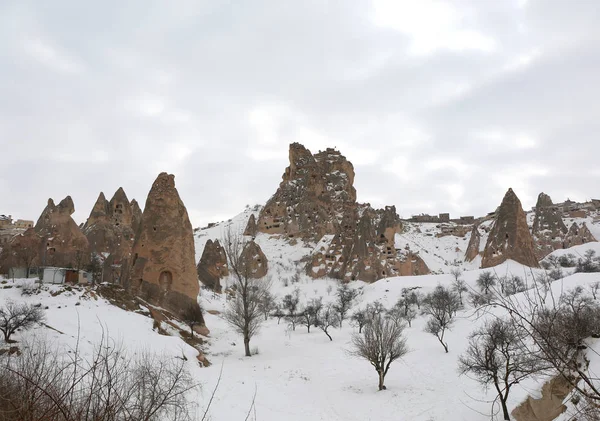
298,375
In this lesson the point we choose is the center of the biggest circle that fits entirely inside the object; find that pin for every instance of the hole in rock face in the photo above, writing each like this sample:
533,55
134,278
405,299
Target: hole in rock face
165,280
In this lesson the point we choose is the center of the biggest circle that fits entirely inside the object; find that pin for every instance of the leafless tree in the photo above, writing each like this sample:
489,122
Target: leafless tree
243,311
345,296
441,306
359,318
267,304
594,288
410,315
495,357
486,281
290,305
327,317
192,316
110,385
26,249
381,343
18,316
459,286
309,316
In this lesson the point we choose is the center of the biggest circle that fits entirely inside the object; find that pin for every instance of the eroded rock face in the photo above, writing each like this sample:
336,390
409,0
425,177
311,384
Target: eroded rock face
212,266
510,237
251,228
549,406
474,244
578,235
313,196
164,270
64,244
254,260
548,227
136,216
110,235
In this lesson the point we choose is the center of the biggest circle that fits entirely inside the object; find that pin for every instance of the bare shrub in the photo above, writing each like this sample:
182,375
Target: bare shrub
192,316
19,316
485,282
441,305
327,317
344,298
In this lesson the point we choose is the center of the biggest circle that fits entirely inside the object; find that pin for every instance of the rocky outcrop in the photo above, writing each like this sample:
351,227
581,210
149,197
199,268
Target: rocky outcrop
549,406
548,227
510,237
474,244
315,193
136,215
254,261
212,266
110,235
251,228
578,235
164,269
64,244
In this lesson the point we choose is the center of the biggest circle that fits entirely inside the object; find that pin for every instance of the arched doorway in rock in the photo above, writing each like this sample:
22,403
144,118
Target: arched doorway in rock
165,280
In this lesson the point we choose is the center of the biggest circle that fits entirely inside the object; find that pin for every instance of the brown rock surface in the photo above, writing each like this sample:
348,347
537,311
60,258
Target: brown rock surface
254,260
548,227
578,235
549,406
63,242
251,227
164,269
212,266
474,244
510,237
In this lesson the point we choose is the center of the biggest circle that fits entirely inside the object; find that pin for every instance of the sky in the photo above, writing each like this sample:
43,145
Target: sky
441,106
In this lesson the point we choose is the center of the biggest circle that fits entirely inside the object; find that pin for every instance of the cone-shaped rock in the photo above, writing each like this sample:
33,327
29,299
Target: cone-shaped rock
64,244
251,228
510,237
164,269
136,217
474,244
99,212
548,227
254,260
212,265
578,235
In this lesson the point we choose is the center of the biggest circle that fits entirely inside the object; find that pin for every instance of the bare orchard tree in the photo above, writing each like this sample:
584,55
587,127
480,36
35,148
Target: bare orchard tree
244,310
359,318
18,316
309,316
459,286
485,282
268,305
495,357
594,288
192,316
344,298
289,306
381,343
441,305
558,327
327,317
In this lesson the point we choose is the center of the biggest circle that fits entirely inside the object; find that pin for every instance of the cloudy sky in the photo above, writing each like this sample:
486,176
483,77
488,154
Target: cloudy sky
440,106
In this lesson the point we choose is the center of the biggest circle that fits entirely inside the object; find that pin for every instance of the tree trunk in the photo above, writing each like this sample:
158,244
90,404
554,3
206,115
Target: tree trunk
247,346
504,409
192,330
381,378
328,335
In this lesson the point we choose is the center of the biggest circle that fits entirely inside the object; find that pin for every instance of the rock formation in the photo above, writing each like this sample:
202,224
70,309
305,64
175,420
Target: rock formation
510,237
316,201
254,261
251,227
548,227
164,269
212,266
136,215
63,242
474,244
316,191
547,407
578,235
110,234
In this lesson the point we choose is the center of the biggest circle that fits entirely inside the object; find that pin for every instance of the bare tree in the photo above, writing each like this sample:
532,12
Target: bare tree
192,316
327,317
485,282
267,304
410,315
26,249
594,288
459,286
345,296
381,343
359,318
18,316
290,305
243,312
309,317
441,306
495,356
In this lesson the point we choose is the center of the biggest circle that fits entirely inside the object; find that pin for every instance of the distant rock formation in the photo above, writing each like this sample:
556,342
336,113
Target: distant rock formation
316,201
254,260
548,227
64,244
136,216
110,235
474,244
510,237
578,235
212,266
164,269
316,191
251,228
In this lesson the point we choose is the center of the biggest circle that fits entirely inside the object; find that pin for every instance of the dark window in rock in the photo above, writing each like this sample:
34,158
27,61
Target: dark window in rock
154,228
